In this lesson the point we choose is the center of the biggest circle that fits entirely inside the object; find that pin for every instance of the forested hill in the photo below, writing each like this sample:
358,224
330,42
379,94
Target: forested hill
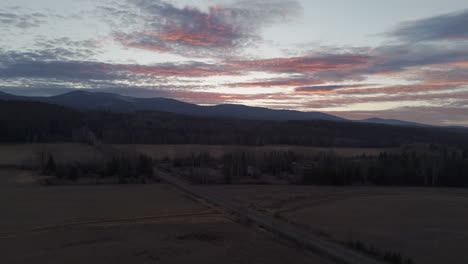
85,100
24,121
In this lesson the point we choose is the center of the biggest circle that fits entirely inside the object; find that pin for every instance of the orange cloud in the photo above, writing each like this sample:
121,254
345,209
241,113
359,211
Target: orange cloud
326,89
309,64
278,82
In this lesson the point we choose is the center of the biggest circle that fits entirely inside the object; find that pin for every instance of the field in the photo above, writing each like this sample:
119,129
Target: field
27,154
412,221
157,224
125,224
217,151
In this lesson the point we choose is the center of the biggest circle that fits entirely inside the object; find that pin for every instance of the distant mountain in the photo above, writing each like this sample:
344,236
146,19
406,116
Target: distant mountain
393,122
6,96
85,100
396,122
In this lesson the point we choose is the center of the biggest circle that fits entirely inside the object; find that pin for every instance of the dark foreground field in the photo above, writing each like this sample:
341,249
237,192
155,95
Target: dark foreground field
125,224
156,223
427,224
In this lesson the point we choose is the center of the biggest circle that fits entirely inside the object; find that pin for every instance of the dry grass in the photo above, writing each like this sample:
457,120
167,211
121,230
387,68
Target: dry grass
216,151
428,225
125,224
28,154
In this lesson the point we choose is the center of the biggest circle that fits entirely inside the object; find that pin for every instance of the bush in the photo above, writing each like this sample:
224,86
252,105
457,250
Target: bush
387,256
50,167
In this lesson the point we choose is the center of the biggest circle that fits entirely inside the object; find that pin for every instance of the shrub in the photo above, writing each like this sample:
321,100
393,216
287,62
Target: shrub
50,167
387,256
127,168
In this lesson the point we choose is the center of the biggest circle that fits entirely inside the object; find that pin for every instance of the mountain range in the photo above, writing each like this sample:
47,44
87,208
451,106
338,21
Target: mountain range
86,100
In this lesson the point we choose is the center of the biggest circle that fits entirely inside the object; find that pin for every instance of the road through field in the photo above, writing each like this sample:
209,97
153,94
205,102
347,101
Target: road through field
331,249
119,224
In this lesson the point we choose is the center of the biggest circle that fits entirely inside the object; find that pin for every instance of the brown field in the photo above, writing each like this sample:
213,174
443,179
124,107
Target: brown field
157,224
27,154
125,224
216,151
428,225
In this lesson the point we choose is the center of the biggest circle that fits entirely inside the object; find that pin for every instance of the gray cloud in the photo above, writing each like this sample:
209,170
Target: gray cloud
191,31
393,59
398,57
448,26
319,88
21,19
67,48
52,64
327,88
48,64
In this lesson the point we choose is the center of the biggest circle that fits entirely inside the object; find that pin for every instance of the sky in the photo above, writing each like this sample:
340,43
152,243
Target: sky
397,59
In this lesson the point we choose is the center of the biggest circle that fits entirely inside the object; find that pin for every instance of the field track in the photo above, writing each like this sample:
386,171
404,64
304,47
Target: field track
133,220
339,253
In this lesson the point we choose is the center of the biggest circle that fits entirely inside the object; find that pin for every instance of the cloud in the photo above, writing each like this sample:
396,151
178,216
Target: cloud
396,89
451,76
307,64
50,64
212,98
326,88
21,19
450,26
292,81
66,48
394,61
195,32
188,69
442,99
435,70
394,58
58,70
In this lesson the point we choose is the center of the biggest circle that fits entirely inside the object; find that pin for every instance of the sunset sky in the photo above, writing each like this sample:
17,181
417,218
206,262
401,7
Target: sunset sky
356,59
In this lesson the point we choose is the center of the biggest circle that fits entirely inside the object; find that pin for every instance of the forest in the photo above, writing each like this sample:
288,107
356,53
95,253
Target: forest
438,167
444,163
34,122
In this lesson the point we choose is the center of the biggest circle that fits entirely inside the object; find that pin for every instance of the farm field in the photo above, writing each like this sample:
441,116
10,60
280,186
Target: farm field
406,220
27,154
411,221
217,151
125,224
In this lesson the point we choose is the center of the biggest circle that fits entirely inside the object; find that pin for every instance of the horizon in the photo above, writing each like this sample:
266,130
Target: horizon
398,60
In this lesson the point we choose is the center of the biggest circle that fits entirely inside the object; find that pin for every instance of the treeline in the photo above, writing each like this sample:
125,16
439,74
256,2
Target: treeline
399,169
123,168
233,166
437,167
33,122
